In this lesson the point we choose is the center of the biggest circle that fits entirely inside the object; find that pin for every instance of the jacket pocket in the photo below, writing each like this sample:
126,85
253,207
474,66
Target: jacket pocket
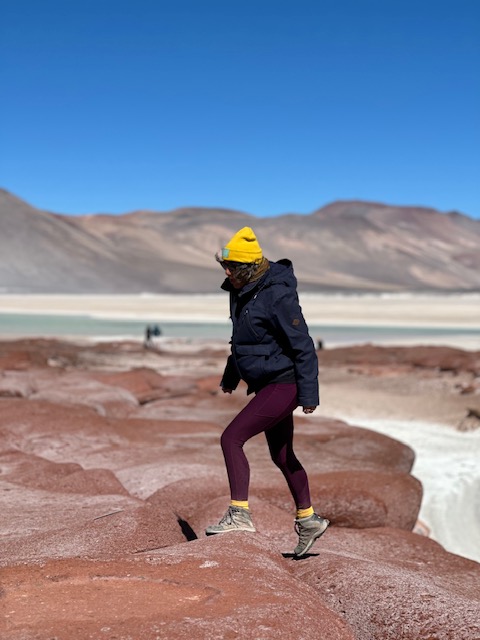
253,350
251,360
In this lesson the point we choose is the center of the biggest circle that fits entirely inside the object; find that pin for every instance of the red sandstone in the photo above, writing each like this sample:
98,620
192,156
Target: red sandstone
110,470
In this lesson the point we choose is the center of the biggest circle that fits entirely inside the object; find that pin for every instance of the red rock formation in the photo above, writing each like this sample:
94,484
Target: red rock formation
109,475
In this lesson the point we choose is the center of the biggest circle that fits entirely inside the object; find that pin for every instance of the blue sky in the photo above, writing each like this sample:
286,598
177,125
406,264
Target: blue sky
266,106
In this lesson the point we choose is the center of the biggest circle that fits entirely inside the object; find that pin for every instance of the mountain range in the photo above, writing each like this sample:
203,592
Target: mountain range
345,246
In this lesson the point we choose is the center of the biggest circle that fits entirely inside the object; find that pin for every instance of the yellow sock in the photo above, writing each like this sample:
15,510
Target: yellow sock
239,503
304,513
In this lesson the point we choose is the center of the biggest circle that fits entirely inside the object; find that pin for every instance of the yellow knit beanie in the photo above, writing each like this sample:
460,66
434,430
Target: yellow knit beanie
243,247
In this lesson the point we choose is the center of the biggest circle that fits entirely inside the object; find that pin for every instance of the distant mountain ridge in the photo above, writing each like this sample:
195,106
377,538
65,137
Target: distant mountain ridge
345,246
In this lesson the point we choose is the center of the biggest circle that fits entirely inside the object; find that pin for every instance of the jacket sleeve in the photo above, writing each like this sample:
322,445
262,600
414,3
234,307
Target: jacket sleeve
293,332
231,377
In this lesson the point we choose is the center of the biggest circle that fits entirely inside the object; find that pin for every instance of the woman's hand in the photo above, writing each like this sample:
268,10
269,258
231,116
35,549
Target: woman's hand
309,409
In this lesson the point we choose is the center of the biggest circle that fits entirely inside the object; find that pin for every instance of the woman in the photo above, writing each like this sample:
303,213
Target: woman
274,354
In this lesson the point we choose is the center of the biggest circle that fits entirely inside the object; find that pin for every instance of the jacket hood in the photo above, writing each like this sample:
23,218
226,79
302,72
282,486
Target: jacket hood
281,272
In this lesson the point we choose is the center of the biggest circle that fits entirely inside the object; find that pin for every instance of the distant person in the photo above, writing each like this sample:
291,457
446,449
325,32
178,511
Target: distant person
147,343
150,333
274,354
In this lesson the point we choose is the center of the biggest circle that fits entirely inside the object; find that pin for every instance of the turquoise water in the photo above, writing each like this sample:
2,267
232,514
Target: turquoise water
13,324
26,325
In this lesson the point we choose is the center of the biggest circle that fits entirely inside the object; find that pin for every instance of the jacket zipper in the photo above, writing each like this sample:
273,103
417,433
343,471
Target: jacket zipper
250,325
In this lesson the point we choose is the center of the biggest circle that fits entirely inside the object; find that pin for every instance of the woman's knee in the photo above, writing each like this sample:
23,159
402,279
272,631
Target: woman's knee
229,440
285,460
224,441
279,458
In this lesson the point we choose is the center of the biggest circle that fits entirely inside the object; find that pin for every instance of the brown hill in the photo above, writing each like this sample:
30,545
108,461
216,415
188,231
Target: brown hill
345,246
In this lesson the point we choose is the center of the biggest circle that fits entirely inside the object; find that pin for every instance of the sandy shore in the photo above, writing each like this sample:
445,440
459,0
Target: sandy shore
453,311
402,319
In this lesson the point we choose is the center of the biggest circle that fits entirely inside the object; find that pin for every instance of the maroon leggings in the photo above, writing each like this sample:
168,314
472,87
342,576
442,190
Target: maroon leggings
269,411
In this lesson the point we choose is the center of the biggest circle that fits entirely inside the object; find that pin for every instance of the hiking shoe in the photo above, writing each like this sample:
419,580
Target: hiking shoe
308,530
235,519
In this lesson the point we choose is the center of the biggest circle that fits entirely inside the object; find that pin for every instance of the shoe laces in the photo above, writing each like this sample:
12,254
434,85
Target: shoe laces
299,530
228,517
303,532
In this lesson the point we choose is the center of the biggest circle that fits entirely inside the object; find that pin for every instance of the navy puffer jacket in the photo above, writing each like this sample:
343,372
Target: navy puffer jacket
270,340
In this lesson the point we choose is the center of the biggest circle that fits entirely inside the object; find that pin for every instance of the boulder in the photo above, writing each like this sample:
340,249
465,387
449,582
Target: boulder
390,584
229,587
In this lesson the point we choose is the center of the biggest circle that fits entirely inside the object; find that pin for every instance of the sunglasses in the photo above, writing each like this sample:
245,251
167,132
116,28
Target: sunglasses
228,264
231,266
